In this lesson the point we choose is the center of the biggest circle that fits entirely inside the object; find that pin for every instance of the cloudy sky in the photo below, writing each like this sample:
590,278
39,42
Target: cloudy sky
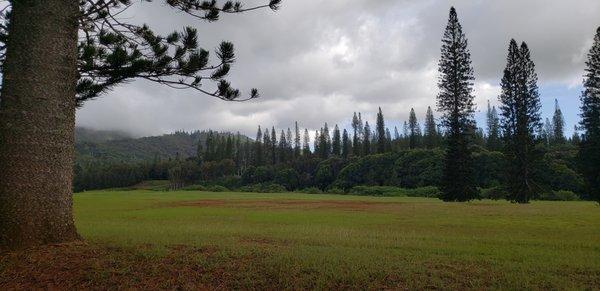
318,61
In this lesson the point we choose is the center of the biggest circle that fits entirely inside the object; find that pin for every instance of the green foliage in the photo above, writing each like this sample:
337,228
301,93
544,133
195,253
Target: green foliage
494,193
561,195
263,188
418,168
369,170
288,178
311,190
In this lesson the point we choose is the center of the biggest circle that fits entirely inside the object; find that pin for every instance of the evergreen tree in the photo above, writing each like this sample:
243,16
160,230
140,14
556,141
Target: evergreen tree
317,144
336,146
78,50
380,133
547,133
455,100
431,134
493,128
575,139
558,123
297,144
306,144
589,150
520,121
267,146
258,148
283,147
346,145
366,143
414,130
388,140
273,146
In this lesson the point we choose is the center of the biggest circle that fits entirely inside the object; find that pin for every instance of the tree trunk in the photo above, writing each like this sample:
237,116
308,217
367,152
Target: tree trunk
37,120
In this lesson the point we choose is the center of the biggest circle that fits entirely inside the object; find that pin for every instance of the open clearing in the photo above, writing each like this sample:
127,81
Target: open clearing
195,240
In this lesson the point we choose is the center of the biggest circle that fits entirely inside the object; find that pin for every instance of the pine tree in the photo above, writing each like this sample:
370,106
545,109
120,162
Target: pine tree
336,146
414,130
366,143
380,133
493,128
317,144
388,140
346,146
547,133
558,123
431,135
297,144
273,146
283,147
589,150
520,122
306,144
78,50
258,148
267,147
575,139
455,101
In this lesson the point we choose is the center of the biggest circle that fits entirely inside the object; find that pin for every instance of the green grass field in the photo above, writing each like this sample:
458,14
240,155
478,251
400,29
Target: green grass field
295,241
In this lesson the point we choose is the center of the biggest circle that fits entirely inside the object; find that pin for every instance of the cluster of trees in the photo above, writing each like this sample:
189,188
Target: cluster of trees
519,130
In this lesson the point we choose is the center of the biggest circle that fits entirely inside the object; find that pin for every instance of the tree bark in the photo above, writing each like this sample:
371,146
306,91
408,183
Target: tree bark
37,120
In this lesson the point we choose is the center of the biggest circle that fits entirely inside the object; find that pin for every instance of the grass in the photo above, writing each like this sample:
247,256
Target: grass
297,241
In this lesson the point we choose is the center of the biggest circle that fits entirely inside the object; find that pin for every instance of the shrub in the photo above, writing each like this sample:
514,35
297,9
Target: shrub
428,192
273,188
216,188
335,190
194,188
494,193
378,191
561,195
263,188
311,190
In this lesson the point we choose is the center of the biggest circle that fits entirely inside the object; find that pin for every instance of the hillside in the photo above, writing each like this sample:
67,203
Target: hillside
110,148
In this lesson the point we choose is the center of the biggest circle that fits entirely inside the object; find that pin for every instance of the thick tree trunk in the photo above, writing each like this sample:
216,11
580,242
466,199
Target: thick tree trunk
37,119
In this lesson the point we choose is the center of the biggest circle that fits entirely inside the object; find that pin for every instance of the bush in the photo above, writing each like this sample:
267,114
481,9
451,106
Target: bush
216,188
263,188
494,193
273,188
194,188
378,191
562,195
311,190
335,190
428,192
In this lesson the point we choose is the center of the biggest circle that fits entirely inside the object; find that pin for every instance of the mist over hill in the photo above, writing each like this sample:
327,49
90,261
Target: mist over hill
116,146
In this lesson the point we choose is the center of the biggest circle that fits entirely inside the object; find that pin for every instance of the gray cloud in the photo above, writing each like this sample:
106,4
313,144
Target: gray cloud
318,61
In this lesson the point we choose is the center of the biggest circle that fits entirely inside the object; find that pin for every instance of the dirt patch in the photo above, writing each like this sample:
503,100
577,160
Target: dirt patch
292,204
82,266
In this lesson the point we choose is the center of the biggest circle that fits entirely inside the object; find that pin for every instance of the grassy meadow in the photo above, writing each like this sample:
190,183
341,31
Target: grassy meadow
297,241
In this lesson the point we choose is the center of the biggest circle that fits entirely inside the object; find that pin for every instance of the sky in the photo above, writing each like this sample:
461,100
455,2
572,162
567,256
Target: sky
317,61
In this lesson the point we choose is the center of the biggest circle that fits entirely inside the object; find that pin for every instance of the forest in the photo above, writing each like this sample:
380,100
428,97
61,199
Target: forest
331,160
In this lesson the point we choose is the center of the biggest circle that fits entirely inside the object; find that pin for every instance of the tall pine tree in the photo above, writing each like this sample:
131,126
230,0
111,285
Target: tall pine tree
558,124
455,101
493,142
380,132
589,153
414,130
520,121
336,143
430,138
